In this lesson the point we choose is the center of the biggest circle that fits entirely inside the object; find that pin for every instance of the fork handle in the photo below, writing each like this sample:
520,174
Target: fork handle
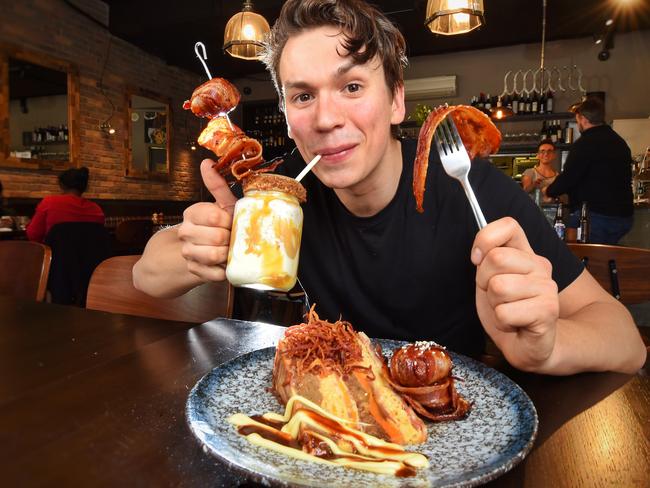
473,202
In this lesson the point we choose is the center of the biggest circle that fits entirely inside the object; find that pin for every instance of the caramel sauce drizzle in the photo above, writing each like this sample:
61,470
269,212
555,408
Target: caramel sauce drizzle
272,256
308,432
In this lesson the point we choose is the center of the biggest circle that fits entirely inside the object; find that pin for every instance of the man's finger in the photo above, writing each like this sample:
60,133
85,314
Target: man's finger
505,232
217,186
204,235
208,214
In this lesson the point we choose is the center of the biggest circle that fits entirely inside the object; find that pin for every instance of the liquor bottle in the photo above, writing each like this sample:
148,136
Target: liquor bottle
534,103
481,101
568,134
528,104
549,102
542,103
552,131
543,132
558,130
488,102
558,223
515,103
583,229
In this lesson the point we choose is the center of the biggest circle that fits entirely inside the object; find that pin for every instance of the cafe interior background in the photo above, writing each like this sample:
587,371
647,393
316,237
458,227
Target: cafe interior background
101,84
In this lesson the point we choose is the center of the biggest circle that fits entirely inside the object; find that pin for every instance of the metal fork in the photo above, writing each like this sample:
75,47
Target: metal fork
456,163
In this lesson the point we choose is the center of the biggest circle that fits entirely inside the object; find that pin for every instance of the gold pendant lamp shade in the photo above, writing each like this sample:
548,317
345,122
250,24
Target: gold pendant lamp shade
245,32
449,17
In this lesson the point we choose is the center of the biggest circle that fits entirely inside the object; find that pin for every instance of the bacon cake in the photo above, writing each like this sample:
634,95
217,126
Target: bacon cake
339,370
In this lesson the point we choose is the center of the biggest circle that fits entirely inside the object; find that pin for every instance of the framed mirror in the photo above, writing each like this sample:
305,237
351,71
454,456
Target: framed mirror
149,121
39,97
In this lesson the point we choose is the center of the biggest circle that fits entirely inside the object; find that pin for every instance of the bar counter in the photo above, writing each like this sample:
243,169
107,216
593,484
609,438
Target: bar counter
92,398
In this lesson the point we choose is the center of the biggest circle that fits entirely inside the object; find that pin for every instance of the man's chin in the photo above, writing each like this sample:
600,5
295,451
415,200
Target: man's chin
336,180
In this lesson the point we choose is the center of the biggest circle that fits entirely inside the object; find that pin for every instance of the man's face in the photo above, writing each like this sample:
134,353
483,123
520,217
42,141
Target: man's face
337,109
545,153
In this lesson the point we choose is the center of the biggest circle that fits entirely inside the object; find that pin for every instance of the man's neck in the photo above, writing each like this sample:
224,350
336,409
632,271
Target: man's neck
371,195
589,125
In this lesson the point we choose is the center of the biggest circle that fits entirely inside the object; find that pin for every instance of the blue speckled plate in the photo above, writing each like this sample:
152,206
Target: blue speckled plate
497,434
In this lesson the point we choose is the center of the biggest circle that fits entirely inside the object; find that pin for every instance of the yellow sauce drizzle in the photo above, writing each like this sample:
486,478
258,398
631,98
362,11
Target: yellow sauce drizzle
347,446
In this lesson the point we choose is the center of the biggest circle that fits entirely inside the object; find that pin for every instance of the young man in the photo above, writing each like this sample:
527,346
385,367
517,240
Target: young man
598,171
366,254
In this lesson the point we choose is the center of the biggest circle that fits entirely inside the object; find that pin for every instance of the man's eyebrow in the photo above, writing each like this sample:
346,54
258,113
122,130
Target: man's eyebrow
302,85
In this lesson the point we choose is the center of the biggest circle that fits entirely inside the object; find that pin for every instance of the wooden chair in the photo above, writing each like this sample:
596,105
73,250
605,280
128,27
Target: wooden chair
25,267
111,290
623,271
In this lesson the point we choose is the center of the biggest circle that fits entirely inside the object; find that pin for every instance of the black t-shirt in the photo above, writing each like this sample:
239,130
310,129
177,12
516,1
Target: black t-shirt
405,275
598,171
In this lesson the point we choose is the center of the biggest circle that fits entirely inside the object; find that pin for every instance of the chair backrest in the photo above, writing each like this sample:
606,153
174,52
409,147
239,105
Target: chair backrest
77,249
24,269
622,271
111,290
133,235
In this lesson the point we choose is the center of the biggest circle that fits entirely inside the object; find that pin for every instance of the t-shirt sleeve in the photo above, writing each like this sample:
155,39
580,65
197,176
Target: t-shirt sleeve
499,196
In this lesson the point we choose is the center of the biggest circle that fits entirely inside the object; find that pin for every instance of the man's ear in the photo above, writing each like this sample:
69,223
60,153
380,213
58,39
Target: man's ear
398,105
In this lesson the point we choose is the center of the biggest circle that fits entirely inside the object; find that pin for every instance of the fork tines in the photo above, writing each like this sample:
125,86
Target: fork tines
447,137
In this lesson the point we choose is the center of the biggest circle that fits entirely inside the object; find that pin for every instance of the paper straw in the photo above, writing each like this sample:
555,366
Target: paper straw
308,168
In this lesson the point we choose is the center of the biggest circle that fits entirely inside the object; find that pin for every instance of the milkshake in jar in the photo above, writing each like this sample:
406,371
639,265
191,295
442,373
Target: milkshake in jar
266,233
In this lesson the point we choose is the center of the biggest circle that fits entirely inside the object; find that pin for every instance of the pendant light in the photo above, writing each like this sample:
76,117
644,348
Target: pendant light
450,17
245,32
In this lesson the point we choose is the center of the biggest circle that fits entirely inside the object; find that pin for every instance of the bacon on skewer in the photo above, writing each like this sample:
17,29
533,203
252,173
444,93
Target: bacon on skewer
213,98
479,135
237,154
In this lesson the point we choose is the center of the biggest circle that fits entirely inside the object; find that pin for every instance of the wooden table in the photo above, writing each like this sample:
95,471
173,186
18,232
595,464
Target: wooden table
97,399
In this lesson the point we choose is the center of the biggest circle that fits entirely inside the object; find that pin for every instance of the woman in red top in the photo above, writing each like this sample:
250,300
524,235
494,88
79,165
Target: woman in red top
69,207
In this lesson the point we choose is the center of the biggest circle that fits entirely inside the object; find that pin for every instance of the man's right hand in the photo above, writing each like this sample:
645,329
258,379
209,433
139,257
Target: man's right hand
205,231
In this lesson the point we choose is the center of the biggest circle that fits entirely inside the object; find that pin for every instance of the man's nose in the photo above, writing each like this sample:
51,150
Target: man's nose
329,113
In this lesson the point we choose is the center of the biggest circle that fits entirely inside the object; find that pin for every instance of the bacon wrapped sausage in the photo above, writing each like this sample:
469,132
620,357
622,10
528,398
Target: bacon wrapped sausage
480,137
421,373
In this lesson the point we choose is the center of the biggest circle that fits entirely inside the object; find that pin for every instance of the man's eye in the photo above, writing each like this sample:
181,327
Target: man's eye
303,97
353,87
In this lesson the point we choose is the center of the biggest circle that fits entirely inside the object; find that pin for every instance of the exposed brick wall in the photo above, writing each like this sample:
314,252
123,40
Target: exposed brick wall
56,29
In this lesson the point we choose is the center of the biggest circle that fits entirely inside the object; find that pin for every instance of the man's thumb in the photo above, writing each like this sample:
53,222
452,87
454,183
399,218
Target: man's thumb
217,185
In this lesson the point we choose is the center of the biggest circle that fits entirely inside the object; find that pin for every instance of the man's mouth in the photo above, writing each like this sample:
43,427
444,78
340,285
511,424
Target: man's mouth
335,154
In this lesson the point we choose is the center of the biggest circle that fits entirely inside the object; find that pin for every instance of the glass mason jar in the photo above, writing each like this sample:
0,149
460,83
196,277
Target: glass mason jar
266,233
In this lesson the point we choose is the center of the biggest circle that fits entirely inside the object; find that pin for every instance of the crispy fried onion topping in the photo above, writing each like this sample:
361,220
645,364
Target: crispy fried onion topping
319,346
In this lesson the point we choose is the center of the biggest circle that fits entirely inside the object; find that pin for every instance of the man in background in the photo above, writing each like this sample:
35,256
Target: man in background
597,171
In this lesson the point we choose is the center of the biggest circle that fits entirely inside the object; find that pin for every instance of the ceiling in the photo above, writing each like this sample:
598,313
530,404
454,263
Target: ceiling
169,28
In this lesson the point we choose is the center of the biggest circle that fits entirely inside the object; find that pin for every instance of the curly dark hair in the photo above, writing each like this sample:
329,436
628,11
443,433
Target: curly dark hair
74,179
368,33
544,142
